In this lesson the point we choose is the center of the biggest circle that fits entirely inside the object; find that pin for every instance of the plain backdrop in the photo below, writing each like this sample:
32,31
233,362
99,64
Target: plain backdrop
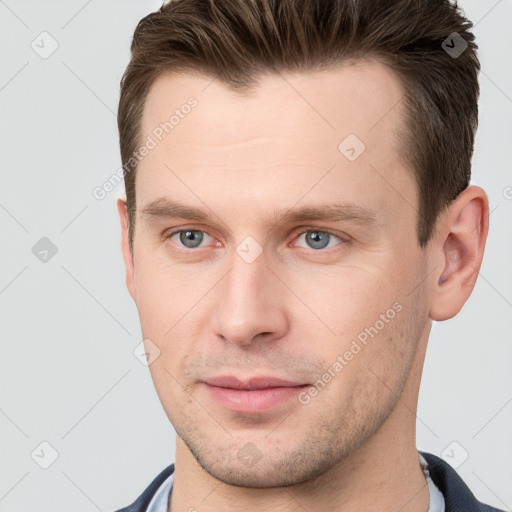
68,375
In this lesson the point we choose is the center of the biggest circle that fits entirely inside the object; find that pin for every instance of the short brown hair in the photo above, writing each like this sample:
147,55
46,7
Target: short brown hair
237,41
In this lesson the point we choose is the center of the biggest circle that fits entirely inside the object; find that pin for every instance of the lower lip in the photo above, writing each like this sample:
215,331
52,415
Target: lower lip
257,400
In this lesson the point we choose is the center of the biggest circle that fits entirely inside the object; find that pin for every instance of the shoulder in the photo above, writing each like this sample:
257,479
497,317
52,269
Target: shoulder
142,502
457,495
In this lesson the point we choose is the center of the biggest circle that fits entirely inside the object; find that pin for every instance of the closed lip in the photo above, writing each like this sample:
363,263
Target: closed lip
253,383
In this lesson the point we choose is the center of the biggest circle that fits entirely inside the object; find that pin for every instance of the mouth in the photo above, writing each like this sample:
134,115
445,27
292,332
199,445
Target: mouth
256,395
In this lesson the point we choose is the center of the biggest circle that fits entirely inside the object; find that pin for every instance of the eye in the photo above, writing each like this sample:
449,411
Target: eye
317,239
189,238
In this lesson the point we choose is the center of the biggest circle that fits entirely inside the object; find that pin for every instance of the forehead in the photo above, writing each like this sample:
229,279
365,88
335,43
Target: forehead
291,128
353,97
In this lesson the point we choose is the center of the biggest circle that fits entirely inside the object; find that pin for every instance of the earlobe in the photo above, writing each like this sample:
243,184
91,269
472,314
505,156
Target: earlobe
125,246
459,248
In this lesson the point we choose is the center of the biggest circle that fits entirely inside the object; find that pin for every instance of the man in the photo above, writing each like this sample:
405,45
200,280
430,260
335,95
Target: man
298,212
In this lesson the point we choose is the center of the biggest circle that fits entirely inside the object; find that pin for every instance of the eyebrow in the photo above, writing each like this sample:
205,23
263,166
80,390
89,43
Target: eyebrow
165,208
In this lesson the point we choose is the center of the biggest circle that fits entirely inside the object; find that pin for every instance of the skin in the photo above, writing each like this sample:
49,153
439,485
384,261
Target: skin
296,307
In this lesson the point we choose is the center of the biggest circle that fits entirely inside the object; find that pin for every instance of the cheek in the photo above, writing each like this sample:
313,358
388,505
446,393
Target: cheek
376,366
166,380
392,340
164,295
374,321
347,299
168,302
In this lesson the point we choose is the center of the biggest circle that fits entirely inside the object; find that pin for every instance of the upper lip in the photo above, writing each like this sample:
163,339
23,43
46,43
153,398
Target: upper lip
253,383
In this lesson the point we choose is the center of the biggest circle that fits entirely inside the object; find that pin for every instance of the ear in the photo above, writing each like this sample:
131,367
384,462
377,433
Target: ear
458,249
125,246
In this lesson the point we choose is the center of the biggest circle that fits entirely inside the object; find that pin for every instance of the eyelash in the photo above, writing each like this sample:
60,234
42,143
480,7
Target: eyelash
296,235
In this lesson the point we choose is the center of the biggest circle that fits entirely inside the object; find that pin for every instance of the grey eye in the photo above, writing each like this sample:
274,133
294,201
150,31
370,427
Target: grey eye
318,239
190,238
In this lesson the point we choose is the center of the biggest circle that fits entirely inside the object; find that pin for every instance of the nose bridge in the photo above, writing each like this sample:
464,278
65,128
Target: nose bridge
248,301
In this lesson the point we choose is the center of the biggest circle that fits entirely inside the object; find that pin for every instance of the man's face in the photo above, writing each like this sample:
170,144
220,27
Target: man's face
249,293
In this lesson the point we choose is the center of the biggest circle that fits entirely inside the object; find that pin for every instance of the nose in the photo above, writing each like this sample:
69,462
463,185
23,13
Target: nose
250,304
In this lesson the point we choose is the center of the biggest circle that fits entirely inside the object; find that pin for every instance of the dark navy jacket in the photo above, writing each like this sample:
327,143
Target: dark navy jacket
457,496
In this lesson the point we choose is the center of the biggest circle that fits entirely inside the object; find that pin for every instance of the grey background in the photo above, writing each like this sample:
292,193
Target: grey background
68,375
